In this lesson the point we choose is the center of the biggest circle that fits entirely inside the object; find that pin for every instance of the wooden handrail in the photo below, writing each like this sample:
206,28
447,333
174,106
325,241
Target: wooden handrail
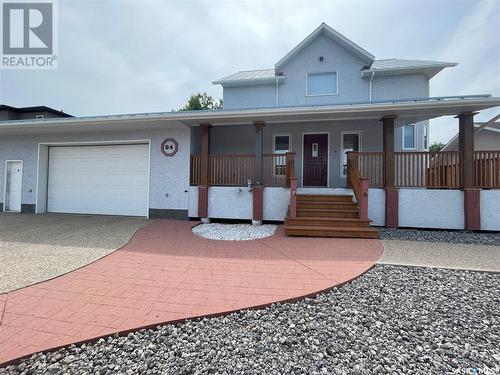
291,182
359,185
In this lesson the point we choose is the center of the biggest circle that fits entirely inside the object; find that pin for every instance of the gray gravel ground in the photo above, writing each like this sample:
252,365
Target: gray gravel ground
35,248
398,320
234,232
445,236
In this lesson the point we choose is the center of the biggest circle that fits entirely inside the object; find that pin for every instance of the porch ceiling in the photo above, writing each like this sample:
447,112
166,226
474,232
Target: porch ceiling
413,109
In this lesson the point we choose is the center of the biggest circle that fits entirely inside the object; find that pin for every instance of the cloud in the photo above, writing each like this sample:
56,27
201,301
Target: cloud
142,56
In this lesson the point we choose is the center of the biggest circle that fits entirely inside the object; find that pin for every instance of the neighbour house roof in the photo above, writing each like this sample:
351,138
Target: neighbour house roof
492,125
405,110
40,108
381,67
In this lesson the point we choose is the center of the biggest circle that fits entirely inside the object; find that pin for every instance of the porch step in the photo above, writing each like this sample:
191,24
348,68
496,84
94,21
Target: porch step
323,212
328,222
327,205
322,215
318,231
324,198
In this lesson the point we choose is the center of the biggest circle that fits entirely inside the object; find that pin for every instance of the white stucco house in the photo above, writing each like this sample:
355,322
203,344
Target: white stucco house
330,140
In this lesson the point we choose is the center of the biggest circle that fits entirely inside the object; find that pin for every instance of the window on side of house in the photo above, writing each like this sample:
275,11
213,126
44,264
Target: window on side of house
39,117
322,84
281,145
409,137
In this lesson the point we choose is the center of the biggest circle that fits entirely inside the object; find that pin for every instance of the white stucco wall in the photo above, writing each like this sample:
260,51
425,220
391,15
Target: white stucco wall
376,206
490,209
169,176
276,201
229,203
424,208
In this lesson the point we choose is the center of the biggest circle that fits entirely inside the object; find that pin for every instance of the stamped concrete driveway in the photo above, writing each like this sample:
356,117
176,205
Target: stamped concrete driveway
35,248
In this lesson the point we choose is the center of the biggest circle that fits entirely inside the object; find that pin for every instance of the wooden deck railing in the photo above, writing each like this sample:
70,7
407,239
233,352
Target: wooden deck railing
487,169
237,170
428,169
291,182
370,165
274,169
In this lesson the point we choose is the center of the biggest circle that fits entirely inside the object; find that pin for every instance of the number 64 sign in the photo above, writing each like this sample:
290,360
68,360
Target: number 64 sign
169,147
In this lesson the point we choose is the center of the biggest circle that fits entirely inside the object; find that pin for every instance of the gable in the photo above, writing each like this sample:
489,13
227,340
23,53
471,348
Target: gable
335,37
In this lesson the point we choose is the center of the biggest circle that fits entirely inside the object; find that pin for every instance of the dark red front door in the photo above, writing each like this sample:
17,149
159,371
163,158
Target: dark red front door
315,168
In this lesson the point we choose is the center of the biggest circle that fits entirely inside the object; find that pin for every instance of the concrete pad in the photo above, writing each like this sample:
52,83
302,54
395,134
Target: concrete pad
167,274
441,255
35,248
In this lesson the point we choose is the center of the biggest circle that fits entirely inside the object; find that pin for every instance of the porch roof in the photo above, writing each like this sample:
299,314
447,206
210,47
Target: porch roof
413,109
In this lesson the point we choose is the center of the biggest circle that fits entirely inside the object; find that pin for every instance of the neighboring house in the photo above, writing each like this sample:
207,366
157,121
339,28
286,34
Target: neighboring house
276,152
486,138
8,113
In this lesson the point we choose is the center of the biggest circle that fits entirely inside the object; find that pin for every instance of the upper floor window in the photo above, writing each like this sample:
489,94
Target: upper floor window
409,137
322,83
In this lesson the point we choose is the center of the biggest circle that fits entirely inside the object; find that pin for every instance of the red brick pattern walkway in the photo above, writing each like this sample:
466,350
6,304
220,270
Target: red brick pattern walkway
167,273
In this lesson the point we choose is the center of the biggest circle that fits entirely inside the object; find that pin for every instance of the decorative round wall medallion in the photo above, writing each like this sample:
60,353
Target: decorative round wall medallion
169,147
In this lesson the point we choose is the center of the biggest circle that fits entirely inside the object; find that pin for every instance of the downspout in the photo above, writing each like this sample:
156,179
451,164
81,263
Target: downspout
277,93
371,79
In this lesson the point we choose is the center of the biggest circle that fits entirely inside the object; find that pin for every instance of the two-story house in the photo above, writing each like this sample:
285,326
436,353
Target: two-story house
330,140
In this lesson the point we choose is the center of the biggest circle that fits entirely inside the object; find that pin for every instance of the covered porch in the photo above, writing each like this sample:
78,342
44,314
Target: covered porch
336,150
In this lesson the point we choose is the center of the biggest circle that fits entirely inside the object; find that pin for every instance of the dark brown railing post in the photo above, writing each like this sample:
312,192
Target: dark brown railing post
291,182
391,193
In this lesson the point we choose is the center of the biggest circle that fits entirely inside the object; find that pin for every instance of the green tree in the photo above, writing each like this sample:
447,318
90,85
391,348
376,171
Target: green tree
201,101
436,147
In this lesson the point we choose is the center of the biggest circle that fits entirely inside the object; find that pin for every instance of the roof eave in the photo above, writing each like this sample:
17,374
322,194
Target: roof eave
252,81
429,70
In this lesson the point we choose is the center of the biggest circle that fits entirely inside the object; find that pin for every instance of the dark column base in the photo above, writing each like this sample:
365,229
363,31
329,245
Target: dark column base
258,205
472,209
391,207
203,201
158,213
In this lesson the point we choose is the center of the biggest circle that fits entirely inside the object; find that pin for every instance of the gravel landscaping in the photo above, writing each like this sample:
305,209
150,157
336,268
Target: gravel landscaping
234,232
402,320
445,236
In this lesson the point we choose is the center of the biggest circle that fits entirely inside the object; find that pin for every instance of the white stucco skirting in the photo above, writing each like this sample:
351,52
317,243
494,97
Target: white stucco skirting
376,206
490,209
424,208
237,203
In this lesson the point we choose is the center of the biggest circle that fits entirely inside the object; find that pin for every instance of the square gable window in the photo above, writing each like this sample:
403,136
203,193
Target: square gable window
322,83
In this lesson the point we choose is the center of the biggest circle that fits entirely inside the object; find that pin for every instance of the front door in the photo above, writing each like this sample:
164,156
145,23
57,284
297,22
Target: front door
13,185
315,165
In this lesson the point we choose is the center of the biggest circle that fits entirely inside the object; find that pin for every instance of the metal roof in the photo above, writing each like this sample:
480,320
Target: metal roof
402,66
409,110
245,76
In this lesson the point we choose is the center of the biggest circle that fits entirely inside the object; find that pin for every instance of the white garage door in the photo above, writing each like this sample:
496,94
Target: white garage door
110,180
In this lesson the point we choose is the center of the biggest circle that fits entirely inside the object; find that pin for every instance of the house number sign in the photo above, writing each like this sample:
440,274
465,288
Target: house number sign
169,147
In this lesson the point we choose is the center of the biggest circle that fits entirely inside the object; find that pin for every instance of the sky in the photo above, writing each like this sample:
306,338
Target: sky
150,56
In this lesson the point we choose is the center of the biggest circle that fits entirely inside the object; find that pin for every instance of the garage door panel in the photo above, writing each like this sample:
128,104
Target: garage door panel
99,179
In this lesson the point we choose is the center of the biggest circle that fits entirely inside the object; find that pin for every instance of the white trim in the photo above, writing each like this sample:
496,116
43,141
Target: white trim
360,147
414,137
5,184
97,143
330,94
327,160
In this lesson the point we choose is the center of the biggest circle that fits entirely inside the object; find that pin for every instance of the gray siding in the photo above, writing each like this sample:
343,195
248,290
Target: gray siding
254,96
351,87
400,86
